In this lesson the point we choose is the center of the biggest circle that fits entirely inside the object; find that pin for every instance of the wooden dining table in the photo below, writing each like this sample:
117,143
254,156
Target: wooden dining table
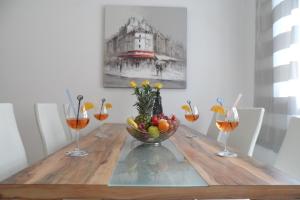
61,177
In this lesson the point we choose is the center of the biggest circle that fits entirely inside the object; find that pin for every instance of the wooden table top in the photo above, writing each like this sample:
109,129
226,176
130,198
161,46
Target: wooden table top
58,176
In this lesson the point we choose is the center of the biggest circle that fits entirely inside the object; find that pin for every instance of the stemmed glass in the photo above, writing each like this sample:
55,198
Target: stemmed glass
101,113
191,115
76,119
226,123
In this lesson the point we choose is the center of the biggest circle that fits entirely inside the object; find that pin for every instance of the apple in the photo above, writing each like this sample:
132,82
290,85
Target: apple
154,120
153,131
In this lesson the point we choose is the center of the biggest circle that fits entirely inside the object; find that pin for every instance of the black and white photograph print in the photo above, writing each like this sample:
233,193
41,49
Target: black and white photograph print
143,42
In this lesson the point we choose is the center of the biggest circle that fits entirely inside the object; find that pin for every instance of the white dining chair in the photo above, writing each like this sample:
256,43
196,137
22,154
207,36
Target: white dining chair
12,153
213,131
244,137
288,159
50,126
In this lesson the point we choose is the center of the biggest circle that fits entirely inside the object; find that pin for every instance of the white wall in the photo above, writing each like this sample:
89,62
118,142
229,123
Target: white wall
47,46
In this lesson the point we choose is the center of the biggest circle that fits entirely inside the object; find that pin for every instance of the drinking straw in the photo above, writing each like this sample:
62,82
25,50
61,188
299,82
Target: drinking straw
237,100
102,103
235,104
67,91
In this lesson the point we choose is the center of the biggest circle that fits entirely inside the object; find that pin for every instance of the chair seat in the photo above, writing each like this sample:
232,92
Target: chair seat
288,159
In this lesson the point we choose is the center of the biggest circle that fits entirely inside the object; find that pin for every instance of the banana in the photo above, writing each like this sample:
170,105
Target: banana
132,123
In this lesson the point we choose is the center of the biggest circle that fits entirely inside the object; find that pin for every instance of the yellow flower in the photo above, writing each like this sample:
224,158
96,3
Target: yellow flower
145,83
108,106
186,108
218,109
158,86
133,84
87,106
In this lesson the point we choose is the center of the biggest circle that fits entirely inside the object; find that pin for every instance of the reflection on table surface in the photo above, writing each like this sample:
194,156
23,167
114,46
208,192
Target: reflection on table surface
148,165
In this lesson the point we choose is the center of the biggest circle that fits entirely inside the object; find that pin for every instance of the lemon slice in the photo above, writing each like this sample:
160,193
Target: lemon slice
108,106
218,109
87,106
186,108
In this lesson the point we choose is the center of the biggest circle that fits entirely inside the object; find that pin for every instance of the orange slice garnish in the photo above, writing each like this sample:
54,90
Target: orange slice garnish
87,106
186,108
108,106
218,109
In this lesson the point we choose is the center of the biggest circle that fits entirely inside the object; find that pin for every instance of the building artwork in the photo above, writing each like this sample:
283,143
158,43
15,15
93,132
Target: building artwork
139,51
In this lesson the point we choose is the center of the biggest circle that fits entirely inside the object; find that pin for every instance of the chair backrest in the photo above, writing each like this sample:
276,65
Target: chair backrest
12,152
213,131
51,129
288,158
244,137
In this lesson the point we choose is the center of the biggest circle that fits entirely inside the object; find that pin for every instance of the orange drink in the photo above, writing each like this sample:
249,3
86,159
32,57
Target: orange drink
101,116
226,126
77,124
191,117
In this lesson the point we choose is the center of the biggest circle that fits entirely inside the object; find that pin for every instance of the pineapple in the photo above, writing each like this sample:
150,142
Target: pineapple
157,107
144,104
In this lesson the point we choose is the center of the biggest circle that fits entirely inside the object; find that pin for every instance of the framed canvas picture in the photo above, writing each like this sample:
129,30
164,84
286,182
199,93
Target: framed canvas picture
143,42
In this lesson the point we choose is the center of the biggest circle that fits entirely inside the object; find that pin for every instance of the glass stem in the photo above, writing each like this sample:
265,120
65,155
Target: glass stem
225,141
77,139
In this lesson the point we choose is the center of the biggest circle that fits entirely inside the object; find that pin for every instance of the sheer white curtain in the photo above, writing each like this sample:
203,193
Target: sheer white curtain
277,73
286,52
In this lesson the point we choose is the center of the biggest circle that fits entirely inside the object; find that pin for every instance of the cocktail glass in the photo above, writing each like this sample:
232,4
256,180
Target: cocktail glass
101,113
76,120
226,123
191,115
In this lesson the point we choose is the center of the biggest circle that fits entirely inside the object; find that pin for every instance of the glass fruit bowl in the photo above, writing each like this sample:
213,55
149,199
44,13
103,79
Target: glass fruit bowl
153,135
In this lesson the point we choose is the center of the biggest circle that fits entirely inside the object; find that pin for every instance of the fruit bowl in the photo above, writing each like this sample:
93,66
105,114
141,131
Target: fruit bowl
146,137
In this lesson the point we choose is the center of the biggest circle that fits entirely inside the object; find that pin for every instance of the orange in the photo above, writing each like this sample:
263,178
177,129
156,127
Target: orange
163,125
